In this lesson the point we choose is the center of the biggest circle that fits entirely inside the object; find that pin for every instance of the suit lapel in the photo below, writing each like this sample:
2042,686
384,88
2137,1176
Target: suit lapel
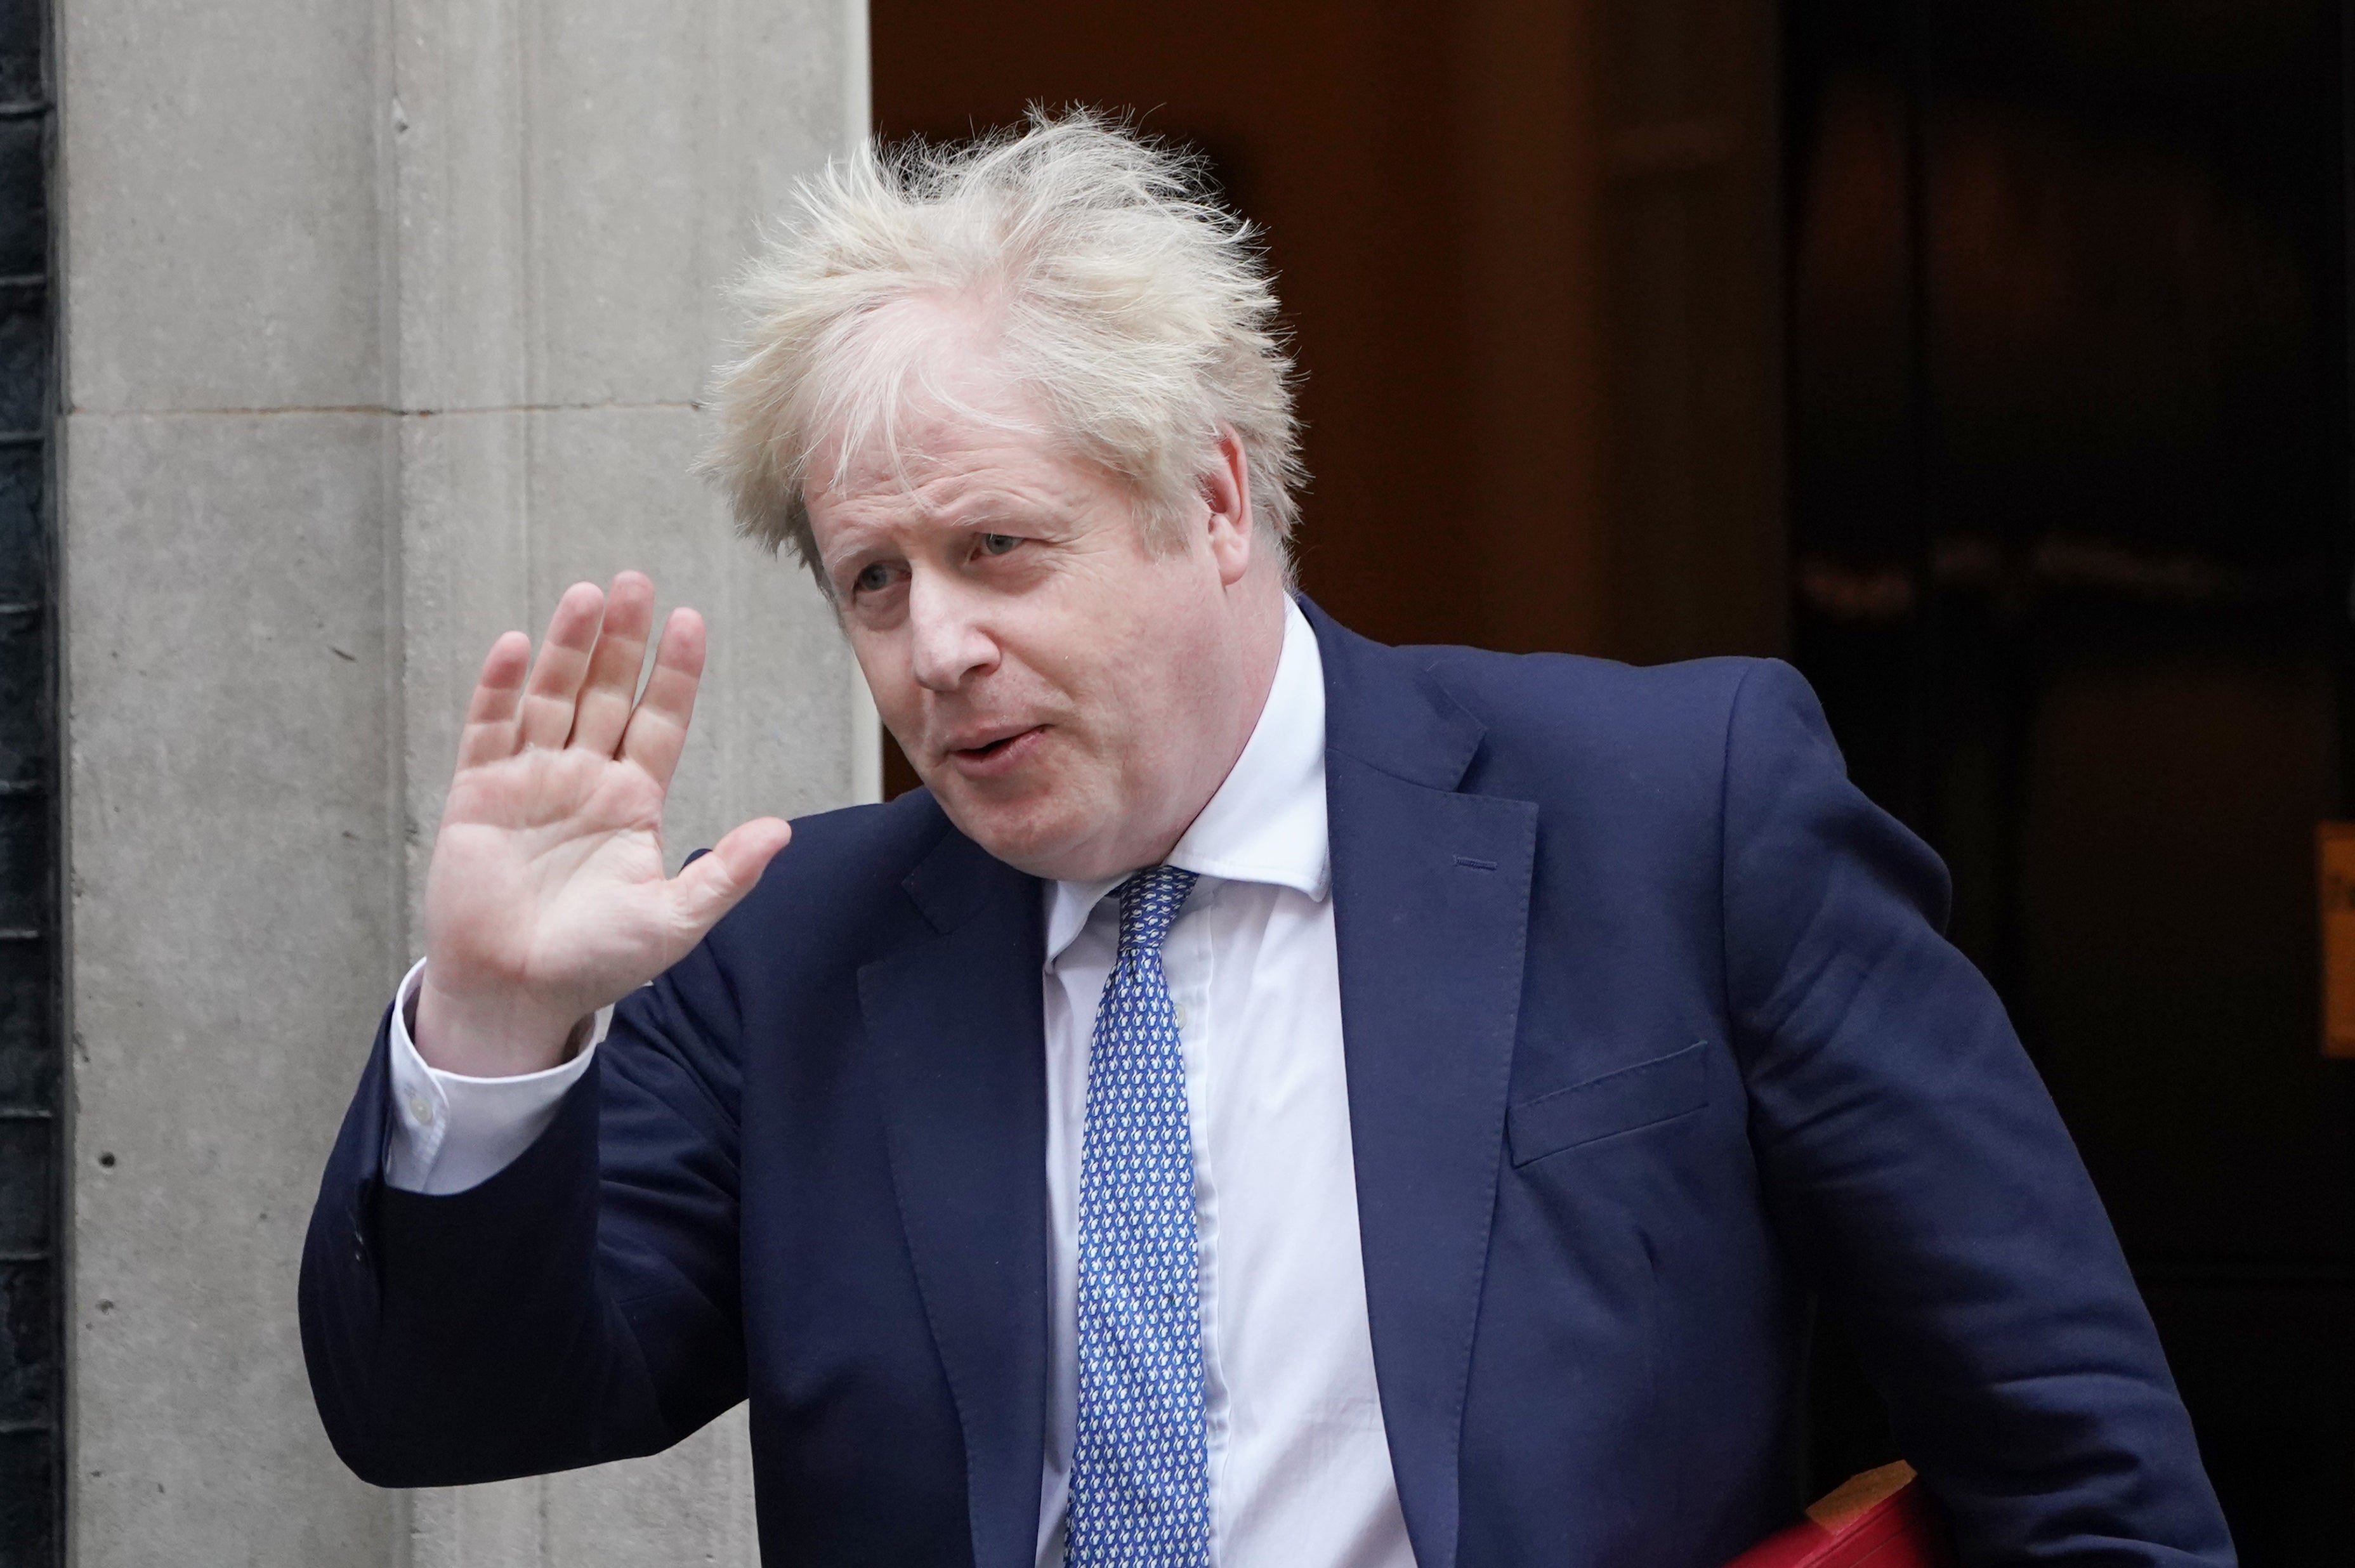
954,1017
1431,894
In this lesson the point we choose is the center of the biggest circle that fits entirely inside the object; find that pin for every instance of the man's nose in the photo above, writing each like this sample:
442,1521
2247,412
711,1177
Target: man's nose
948,642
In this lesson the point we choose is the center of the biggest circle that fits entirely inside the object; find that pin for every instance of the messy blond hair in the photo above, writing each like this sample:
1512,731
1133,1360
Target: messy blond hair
1096,272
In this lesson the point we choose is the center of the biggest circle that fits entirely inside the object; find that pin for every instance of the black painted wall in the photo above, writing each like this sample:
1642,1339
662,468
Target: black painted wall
31,1281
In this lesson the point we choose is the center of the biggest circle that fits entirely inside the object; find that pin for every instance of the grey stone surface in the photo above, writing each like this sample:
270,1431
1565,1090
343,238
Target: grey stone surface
574,175
382,323
688,1506
231,926
218,167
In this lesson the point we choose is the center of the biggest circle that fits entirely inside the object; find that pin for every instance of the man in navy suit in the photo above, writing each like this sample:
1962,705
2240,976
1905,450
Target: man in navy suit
1273,1099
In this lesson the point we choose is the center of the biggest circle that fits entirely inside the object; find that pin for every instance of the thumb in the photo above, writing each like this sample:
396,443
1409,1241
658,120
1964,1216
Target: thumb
713,884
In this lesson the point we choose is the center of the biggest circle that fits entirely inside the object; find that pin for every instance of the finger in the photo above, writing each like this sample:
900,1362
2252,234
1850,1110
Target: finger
489,732
716,882
563,660
602,711
657,731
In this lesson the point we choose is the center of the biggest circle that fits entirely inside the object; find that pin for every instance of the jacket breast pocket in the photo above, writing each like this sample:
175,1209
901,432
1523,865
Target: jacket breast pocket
1620,1102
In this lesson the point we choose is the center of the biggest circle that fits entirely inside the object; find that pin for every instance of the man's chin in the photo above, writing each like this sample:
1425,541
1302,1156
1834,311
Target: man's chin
1036,832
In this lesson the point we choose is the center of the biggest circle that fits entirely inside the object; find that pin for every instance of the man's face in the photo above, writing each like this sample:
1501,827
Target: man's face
1073,694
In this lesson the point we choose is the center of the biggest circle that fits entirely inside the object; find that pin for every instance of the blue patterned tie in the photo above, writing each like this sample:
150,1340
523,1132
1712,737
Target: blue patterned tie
1140,1467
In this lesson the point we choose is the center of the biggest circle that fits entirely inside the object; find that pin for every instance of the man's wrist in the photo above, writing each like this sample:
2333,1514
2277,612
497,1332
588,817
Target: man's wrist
491,1038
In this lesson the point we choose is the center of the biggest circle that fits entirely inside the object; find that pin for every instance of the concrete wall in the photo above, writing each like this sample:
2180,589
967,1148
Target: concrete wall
382,321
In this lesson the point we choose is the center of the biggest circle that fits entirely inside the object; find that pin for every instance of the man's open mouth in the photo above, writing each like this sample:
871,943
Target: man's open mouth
996,748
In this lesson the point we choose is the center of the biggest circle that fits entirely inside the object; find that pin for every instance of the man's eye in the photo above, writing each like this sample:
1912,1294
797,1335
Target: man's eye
872,579
998,544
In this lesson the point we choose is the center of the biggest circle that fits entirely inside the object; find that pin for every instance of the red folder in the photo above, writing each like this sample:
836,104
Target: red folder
1883,1518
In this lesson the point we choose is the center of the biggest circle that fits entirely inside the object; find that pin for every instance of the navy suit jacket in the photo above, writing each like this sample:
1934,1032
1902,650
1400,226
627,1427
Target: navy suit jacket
1650,1030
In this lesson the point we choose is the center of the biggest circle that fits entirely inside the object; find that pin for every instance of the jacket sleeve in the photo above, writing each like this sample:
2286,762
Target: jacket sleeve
579,1307
1924,1181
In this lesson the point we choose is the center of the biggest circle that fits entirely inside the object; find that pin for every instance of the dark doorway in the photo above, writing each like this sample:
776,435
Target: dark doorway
2071,569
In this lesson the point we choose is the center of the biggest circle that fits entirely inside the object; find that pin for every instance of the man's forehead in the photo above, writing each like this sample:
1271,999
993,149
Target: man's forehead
945,440
933,459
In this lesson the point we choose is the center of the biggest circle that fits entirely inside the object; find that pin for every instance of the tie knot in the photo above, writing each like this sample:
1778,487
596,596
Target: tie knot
1149,903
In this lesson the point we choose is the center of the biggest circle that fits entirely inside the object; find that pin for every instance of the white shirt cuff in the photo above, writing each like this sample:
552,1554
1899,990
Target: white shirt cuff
451,1132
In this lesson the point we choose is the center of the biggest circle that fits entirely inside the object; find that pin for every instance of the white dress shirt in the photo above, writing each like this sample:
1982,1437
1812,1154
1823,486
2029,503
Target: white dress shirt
1300,1468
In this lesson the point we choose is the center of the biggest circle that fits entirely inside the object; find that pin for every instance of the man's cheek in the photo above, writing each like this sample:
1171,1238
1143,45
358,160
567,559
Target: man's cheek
883,657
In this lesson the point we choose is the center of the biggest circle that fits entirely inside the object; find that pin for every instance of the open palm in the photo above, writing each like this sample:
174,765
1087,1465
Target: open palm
545,899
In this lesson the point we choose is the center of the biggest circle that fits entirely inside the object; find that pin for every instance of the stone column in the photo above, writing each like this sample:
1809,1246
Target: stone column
382,322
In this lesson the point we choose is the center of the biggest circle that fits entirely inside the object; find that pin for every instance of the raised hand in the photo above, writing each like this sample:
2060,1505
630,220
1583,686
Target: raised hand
545,899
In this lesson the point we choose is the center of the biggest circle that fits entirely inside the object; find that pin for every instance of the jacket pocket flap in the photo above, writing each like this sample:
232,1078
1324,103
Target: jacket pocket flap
1617,1102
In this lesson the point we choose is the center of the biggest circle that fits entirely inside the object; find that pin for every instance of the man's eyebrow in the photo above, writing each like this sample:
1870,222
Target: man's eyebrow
862,545
1030,509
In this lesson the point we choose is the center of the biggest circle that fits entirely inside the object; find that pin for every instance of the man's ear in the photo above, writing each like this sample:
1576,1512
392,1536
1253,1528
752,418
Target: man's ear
1226,494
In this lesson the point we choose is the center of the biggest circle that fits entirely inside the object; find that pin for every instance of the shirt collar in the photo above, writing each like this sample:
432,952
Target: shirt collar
1266,824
